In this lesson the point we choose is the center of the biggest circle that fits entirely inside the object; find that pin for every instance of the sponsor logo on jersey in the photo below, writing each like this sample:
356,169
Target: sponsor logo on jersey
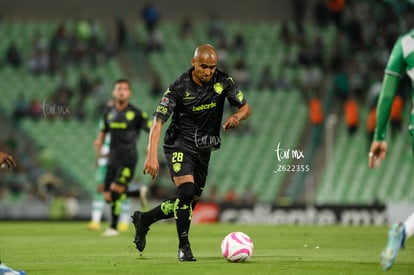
218,87
204,107
118,125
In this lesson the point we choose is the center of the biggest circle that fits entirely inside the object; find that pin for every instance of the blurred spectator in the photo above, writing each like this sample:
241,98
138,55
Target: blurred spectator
35,109
316,115
299,14
155,41
48,186
239,45
357,73
21,108
157,88
58,49
213,194
232,196
121,33
151,16
84,86
336,9
282,82
63,93
310,79
354,32
249,196
186,28
223,53
241,74
351,111
101,95
13,56
266,80
321,13
39,42
340,80
39,62
85,43
80,111
216,28
285,34
17,184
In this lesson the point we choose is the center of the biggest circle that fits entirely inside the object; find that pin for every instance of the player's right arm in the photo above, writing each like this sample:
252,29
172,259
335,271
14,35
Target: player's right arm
393,72
151,165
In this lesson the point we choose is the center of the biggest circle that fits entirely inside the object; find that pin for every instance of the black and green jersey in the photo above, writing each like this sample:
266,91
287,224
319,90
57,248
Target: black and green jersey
124,127
197,111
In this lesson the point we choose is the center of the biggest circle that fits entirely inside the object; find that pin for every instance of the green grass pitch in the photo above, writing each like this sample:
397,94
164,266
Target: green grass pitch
68,248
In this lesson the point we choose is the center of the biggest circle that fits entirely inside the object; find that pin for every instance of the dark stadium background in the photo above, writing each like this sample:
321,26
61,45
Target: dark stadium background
328,182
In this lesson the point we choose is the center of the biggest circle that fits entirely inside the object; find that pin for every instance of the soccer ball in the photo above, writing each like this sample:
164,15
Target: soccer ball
237,247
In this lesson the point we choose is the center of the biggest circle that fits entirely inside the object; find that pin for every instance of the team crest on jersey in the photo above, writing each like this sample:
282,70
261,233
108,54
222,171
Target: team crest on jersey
218,88
130,115
177,167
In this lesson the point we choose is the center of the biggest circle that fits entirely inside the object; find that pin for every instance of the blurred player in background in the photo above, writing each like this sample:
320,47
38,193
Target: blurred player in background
196,101
7,160
123,122
400,61
98,202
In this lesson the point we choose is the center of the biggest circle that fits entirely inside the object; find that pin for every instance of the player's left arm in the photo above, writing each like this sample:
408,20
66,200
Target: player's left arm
234,120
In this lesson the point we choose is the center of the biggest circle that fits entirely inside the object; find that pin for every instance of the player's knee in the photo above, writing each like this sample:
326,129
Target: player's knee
115,195
186,192
107,197
119,188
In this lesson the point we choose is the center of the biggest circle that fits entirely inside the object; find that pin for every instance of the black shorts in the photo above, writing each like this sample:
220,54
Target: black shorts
183,163
119,174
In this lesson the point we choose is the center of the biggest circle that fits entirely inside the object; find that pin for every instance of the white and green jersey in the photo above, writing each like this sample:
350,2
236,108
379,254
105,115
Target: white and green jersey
104,153
102,160
401,61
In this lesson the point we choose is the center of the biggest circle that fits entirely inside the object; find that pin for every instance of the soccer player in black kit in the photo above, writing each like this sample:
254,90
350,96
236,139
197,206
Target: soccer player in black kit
196,101
123,121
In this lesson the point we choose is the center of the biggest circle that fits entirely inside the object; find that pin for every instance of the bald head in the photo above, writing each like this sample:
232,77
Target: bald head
205,51
204,63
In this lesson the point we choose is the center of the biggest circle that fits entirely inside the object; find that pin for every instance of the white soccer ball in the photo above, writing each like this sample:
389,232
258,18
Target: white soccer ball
237,247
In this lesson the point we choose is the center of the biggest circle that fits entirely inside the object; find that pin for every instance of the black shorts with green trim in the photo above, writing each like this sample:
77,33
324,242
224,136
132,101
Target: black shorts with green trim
181,163
119,174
